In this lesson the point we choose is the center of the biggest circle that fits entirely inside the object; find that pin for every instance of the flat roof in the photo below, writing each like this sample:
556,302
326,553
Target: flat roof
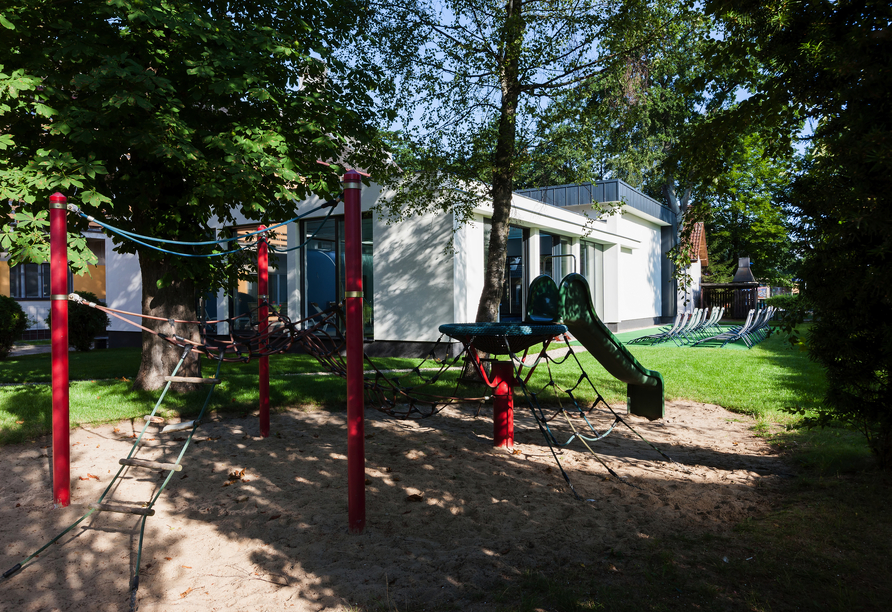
612,190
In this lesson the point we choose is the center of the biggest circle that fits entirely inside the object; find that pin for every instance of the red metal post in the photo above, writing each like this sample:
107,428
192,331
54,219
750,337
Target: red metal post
59,335
263,328
355,403
503,404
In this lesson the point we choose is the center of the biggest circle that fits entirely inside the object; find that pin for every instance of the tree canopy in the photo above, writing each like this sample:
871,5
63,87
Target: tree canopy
160,115
828,63
476,84
746,215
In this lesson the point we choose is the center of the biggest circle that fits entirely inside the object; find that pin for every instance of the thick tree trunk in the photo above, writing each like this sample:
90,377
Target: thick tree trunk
175,301
503,165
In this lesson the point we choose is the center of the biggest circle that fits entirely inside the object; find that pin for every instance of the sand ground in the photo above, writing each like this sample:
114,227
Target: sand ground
447,515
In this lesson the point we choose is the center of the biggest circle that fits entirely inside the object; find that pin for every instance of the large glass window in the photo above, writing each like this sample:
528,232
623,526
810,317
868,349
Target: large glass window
514,288
591,266
31,281
323,264
244,299
555,256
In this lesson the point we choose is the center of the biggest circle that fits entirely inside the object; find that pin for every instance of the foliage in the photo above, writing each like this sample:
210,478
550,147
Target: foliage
639,109
475,84
24,238
785,301
84,322
13,324
161,115
637,116
745,217
828,62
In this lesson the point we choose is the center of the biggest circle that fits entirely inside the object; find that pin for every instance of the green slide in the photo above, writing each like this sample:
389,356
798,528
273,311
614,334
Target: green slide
574,305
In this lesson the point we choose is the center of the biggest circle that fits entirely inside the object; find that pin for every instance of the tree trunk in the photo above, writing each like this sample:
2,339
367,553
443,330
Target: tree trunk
503,165
175,301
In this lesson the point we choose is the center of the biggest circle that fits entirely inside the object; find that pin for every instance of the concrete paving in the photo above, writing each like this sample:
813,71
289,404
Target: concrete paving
19,350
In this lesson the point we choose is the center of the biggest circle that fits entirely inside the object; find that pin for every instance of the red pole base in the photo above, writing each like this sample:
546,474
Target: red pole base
503,405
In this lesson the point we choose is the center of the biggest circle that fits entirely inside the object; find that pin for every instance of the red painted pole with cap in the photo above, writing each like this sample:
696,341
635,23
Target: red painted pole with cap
355,402
263,328
59,335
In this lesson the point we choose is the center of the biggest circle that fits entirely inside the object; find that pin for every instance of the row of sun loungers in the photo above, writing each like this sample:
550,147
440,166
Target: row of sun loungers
688,328
702,326
754,329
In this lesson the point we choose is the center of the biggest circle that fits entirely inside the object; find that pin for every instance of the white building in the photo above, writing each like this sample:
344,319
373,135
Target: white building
425,271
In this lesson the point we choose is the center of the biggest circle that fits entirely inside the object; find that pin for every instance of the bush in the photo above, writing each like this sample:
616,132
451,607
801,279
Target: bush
84,322
13,323
789,301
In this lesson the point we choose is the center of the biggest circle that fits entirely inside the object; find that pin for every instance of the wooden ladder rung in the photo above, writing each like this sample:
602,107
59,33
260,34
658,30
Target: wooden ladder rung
155,465
193,379
179,426
122,509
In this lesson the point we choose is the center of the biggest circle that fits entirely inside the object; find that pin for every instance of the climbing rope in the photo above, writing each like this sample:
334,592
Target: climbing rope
408,396
146,240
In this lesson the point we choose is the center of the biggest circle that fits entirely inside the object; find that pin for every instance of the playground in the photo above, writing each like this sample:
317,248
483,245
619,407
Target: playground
471,497
451,515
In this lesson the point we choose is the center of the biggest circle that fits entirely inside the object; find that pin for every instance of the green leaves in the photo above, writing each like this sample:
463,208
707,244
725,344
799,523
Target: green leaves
161,116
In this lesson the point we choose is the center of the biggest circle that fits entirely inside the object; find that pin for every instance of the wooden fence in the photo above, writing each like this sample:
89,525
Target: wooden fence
737,300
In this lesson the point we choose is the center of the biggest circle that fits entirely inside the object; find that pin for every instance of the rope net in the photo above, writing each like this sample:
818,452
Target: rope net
561,413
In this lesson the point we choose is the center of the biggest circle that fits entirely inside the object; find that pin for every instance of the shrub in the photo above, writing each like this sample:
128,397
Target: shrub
84,322
789,301
13,323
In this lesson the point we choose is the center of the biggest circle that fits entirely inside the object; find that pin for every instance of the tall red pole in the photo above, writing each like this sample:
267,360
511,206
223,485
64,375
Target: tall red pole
263,316
355,407
59,335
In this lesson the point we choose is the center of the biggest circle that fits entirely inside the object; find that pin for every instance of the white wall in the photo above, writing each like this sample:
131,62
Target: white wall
123,286
640,270
468,270
690,299
414,277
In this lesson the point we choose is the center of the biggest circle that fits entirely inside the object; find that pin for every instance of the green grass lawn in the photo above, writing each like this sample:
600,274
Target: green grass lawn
763,381
101,381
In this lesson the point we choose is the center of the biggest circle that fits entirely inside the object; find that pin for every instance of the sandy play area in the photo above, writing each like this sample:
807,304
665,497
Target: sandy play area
447,514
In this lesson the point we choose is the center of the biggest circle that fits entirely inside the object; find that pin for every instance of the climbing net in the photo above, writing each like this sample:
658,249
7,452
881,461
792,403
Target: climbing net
564,414
419,391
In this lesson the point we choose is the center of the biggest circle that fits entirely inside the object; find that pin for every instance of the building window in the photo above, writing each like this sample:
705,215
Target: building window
592,267
31,281
244,298
516,278
323,267
555,256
